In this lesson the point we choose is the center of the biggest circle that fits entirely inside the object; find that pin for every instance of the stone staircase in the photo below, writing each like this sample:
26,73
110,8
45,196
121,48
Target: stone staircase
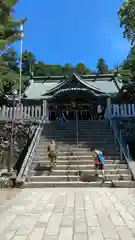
75,167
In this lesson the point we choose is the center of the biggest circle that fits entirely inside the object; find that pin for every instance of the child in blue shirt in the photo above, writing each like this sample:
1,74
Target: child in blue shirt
99,161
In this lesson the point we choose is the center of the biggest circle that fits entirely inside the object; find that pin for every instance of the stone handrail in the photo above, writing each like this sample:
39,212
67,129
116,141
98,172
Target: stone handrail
29,156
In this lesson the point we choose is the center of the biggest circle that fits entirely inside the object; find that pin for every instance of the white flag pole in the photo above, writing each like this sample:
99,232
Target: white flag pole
20,65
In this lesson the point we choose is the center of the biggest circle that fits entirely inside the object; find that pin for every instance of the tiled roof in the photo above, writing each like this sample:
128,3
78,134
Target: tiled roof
104,84
37,89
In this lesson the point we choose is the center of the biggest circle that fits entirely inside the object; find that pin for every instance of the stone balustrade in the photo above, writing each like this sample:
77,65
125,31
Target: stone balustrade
122,110
41,112
21,112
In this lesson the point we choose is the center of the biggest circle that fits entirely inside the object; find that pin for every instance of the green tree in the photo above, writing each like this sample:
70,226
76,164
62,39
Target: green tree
123,72
55,70
11,58
102,68
28,63
9,27
68,69
9,32
126,75
128,65
81,69
8,77
40,69
127,19
9,72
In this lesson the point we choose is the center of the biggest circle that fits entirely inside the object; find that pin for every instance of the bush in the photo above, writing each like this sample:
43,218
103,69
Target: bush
22,133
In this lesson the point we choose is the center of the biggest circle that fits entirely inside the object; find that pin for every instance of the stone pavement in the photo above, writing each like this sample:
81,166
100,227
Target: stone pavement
7,194
69,214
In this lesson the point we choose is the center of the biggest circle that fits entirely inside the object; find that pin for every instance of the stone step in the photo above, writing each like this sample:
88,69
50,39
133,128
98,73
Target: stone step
73,123
102,121
51,178
108,166
72,126
107,151
92,137
113,155
85,132
70,172
65,148
120,184
59,158
70,158
107,157
74,162
102,142
72,143
81,122
111,150
44,167
73,147
84,139
44,154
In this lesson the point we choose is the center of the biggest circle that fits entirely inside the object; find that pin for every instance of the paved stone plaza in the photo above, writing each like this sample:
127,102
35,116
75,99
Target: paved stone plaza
66,214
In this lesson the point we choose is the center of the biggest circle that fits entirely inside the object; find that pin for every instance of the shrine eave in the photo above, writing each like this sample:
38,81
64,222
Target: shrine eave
66,90
99,85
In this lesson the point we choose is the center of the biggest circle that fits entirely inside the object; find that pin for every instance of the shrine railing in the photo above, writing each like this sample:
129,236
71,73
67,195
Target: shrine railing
124,147
37,113
122,110
21,112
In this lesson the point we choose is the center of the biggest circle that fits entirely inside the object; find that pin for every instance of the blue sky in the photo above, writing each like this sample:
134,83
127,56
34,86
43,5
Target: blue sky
72,31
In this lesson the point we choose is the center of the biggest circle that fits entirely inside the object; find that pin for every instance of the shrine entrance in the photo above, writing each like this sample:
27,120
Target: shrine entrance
71,103
71,114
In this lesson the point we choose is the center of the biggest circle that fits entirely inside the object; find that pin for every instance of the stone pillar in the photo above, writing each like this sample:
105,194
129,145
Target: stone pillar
3,112
45,110
109,106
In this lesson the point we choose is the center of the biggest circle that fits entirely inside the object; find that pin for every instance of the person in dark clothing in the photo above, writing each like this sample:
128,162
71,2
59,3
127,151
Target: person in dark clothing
63,120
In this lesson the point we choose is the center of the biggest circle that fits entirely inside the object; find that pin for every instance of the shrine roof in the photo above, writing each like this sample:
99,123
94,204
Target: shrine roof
41,87
37,89
104,86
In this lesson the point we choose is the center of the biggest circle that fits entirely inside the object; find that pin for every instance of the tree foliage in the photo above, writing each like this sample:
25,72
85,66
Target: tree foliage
9,32
28,63
9,27
127,20
10,61
102,67
22,133
81,68
128,67
8,77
